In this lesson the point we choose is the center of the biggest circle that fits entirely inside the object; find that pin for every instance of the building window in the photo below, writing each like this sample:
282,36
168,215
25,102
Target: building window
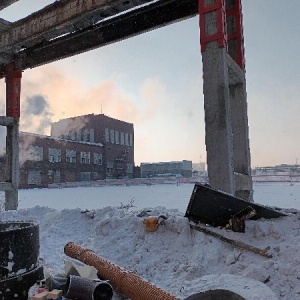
85,135
34,177
97,158
72,136
106,135
130,140
56,177
35,153
78,135
92,135
85,176
117,137
112,136
54,155
85,157
129,168
109,168
122,138
126,139
71,156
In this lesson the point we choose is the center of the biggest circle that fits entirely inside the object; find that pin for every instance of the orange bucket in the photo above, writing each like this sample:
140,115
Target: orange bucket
151,223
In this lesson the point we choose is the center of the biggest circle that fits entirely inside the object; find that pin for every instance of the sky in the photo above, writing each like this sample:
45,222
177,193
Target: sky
155,81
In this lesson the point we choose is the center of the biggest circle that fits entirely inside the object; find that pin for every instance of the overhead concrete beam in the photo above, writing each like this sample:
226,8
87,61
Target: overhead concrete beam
118,27
6,121
6,3
6,186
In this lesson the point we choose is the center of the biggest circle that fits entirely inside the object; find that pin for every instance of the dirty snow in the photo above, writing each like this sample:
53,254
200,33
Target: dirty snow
175,258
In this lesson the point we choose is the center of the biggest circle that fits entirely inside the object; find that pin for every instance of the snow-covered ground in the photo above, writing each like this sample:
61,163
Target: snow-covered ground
168,195
175,257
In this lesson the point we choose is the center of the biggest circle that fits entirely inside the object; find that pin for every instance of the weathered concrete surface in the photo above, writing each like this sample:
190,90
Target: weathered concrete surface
225,104
6,3
70,27
218,138
226,123
12,166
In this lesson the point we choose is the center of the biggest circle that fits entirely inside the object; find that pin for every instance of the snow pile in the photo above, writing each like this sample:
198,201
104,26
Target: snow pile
175,257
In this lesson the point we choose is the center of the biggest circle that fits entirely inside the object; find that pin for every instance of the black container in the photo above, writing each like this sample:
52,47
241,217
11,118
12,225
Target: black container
216,295
19,259
88,289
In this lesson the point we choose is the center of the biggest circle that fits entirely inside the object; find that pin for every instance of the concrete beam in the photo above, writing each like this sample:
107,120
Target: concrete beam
6,186
6,121
6,3
55,42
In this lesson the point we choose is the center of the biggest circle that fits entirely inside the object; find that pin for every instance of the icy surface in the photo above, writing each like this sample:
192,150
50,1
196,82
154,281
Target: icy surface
175,257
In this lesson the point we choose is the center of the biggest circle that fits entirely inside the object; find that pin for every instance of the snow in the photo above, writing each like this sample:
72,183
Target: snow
178,259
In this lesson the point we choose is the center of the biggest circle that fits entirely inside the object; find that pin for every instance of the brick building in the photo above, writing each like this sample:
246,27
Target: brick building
117,138
83,148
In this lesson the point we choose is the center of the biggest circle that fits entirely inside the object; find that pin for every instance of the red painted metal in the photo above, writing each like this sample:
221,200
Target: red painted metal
13,91
237,36
217,8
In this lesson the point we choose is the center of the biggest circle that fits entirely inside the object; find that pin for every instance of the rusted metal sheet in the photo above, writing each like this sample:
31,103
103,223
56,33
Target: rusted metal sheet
216,208
97,25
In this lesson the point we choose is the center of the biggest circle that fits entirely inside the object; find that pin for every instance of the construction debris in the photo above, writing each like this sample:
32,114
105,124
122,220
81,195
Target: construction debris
124,282
235,243
217,208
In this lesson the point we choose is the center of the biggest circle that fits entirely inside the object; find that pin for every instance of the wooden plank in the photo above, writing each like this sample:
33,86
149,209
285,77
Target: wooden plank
216,208
235,243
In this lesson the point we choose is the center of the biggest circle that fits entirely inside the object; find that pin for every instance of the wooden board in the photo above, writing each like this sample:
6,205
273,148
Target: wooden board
216,208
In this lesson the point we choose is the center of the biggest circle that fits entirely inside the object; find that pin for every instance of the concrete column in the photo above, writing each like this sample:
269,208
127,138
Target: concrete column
12,166
218,138
225,99
13,90
241,150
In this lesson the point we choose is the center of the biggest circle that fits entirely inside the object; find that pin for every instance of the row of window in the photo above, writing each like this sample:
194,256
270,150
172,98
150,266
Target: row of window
54,155
118,137
86,135
35,177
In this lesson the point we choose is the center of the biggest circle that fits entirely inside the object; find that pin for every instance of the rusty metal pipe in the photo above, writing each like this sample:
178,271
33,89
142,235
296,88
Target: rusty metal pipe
123,281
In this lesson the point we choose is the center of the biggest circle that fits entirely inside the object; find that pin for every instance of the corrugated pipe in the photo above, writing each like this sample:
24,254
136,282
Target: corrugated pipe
88,289
123,281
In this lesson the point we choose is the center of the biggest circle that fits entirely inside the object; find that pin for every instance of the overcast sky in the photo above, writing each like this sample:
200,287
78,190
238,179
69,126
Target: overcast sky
155,81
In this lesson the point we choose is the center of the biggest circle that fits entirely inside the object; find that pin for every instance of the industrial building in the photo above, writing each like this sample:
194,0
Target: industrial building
172,168
84,148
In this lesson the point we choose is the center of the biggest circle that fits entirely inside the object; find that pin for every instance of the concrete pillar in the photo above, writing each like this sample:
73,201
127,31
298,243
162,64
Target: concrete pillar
225,99
13,90
12,166
218,138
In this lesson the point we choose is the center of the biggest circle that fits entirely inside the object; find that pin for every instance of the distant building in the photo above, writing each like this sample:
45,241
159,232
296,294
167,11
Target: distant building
283,169
83,148
172,168
199,169
117,138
